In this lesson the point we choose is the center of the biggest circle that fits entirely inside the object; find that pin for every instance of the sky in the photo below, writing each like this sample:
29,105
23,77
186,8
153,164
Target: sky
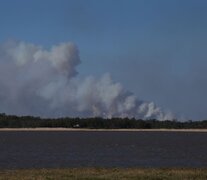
154,48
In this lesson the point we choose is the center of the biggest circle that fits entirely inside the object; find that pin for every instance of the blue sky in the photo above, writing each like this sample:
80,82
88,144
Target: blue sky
155,48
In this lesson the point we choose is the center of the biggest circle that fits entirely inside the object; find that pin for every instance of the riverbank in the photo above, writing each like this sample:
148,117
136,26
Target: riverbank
118,130
103,173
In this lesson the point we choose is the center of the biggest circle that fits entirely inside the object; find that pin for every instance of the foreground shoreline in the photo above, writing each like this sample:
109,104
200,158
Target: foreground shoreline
112,130
106,173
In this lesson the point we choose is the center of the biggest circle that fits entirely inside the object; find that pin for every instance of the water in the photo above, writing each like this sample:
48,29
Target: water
102,149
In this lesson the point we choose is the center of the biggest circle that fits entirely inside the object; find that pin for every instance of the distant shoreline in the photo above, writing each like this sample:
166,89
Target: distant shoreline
110,130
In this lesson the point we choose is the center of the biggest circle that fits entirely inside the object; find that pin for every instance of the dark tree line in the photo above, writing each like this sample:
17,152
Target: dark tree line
12,121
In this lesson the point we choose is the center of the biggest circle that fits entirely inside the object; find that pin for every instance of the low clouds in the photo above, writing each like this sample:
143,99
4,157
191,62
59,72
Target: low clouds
43,82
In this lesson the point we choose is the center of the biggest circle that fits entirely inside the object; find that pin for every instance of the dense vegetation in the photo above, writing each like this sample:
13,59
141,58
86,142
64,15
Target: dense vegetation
11,121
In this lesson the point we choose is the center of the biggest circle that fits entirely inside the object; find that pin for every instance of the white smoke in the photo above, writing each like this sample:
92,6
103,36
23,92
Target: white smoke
41,82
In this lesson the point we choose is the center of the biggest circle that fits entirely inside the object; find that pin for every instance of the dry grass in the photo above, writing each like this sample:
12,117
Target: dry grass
103,173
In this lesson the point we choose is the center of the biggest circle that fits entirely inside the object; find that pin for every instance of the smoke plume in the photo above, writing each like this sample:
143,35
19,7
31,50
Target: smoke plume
43,82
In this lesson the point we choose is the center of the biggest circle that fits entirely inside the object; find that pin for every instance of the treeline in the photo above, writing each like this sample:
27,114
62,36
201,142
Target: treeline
11,121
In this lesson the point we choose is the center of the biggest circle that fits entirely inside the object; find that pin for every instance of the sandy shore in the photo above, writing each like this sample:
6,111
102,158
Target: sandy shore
115,130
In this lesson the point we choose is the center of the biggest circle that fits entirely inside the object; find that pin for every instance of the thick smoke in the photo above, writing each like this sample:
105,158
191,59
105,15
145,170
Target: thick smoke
41,82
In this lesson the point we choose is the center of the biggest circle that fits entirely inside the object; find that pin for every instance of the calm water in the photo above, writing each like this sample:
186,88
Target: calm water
102,149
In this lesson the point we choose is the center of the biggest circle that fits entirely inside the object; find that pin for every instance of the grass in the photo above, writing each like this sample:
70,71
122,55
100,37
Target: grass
104,173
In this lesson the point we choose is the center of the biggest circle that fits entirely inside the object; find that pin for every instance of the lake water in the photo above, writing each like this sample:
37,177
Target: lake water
45,149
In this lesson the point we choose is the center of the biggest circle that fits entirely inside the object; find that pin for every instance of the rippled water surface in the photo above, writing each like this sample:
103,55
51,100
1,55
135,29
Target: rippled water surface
32,149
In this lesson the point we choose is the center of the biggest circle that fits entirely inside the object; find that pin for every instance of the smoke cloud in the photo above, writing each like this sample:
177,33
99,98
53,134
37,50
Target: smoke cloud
44,82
